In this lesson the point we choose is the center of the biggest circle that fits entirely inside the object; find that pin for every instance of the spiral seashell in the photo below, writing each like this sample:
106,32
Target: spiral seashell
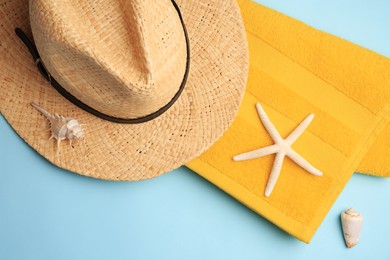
351,221
62,128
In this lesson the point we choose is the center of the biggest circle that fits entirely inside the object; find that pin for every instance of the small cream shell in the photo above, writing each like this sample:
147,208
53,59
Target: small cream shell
351,222
62,128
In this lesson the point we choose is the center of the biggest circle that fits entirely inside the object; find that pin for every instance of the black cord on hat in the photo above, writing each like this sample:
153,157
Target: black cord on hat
45,73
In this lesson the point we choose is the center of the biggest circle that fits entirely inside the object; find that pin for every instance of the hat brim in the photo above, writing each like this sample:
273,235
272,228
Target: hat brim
112,151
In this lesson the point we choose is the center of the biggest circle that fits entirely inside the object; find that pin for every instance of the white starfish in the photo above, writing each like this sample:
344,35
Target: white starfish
281,148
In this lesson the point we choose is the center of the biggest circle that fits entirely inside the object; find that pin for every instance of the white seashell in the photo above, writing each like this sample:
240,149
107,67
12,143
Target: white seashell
62,128
351,221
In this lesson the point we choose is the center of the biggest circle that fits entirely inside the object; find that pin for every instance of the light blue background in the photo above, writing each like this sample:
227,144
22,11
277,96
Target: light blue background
48,213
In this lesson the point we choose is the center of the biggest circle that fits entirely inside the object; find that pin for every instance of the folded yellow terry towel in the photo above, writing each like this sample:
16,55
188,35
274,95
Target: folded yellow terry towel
377,160
296,70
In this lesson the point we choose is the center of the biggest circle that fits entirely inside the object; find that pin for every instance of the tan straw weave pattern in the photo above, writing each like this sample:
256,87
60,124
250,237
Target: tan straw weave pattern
126,59
127,71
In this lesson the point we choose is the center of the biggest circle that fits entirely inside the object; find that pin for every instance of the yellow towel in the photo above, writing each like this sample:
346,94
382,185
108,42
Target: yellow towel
296,70
376,161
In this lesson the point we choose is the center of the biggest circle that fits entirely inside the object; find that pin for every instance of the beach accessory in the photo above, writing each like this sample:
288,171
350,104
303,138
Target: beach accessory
62,128
351,223
281,147
296,70
376,161
155,83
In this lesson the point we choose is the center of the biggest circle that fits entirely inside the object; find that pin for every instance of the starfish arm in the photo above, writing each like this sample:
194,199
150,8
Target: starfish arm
293,155
277,167
273,132
299,130
257,153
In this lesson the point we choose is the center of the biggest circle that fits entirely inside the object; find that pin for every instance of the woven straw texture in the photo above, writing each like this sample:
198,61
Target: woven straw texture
208,105
120,57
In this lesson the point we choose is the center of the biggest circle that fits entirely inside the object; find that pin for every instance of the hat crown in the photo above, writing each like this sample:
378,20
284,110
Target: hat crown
123,58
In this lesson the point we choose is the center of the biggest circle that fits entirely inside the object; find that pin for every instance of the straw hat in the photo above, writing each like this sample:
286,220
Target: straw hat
153,83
